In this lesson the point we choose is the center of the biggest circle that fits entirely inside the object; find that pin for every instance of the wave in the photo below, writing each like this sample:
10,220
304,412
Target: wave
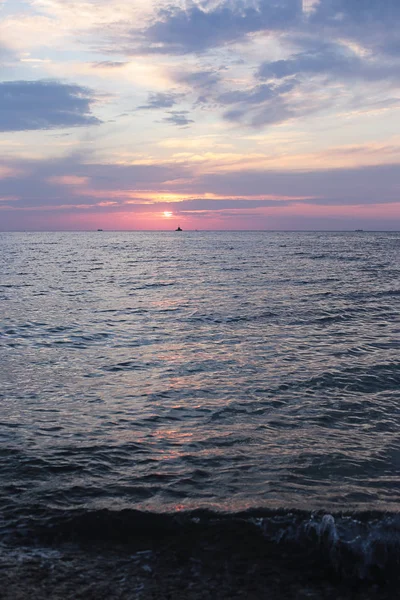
217,318
379,377
358,546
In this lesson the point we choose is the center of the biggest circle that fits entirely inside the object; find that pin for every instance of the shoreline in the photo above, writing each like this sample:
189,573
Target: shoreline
215,559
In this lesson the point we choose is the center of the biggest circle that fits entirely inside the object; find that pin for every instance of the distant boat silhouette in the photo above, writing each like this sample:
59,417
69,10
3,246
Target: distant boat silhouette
359,230
178,229
99,230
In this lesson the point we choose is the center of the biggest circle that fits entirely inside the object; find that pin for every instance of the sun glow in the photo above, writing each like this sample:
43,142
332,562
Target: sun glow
167,214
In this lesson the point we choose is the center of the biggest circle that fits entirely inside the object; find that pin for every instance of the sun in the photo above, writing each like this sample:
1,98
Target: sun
167,214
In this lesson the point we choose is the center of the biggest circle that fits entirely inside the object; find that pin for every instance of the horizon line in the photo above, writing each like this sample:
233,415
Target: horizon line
360,230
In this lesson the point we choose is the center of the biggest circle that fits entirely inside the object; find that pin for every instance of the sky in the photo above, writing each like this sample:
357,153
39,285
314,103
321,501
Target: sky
208,114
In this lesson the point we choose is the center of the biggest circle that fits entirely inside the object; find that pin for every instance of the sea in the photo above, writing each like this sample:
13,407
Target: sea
171,378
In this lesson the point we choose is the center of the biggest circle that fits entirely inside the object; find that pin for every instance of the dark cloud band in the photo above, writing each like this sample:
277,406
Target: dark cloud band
29,105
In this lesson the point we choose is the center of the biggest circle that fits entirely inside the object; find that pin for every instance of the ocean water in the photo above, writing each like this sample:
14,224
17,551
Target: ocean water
229,371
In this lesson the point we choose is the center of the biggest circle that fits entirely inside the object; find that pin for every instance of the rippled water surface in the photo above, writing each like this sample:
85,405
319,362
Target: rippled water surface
220,369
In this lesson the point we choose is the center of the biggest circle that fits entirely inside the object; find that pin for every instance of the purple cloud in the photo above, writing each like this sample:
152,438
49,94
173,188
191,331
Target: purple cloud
27,105
331,59
195,29
161,100
178,118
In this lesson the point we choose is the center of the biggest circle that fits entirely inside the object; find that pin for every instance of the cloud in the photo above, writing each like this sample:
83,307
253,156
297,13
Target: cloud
161,100
256,95
264,104
357,12
8,171
391,47
204,83
373,23
179,118
322,74
194,28
323,58
63,180
6,54
270,113
333,59
74,189
28,105
68,180
199,79
110,64
217,204
363,185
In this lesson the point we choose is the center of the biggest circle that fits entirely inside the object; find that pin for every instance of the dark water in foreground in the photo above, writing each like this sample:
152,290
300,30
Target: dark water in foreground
220,370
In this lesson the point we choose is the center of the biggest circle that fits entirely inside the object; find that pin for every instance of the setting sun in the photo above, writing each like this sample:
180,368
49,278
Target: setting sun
167,214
